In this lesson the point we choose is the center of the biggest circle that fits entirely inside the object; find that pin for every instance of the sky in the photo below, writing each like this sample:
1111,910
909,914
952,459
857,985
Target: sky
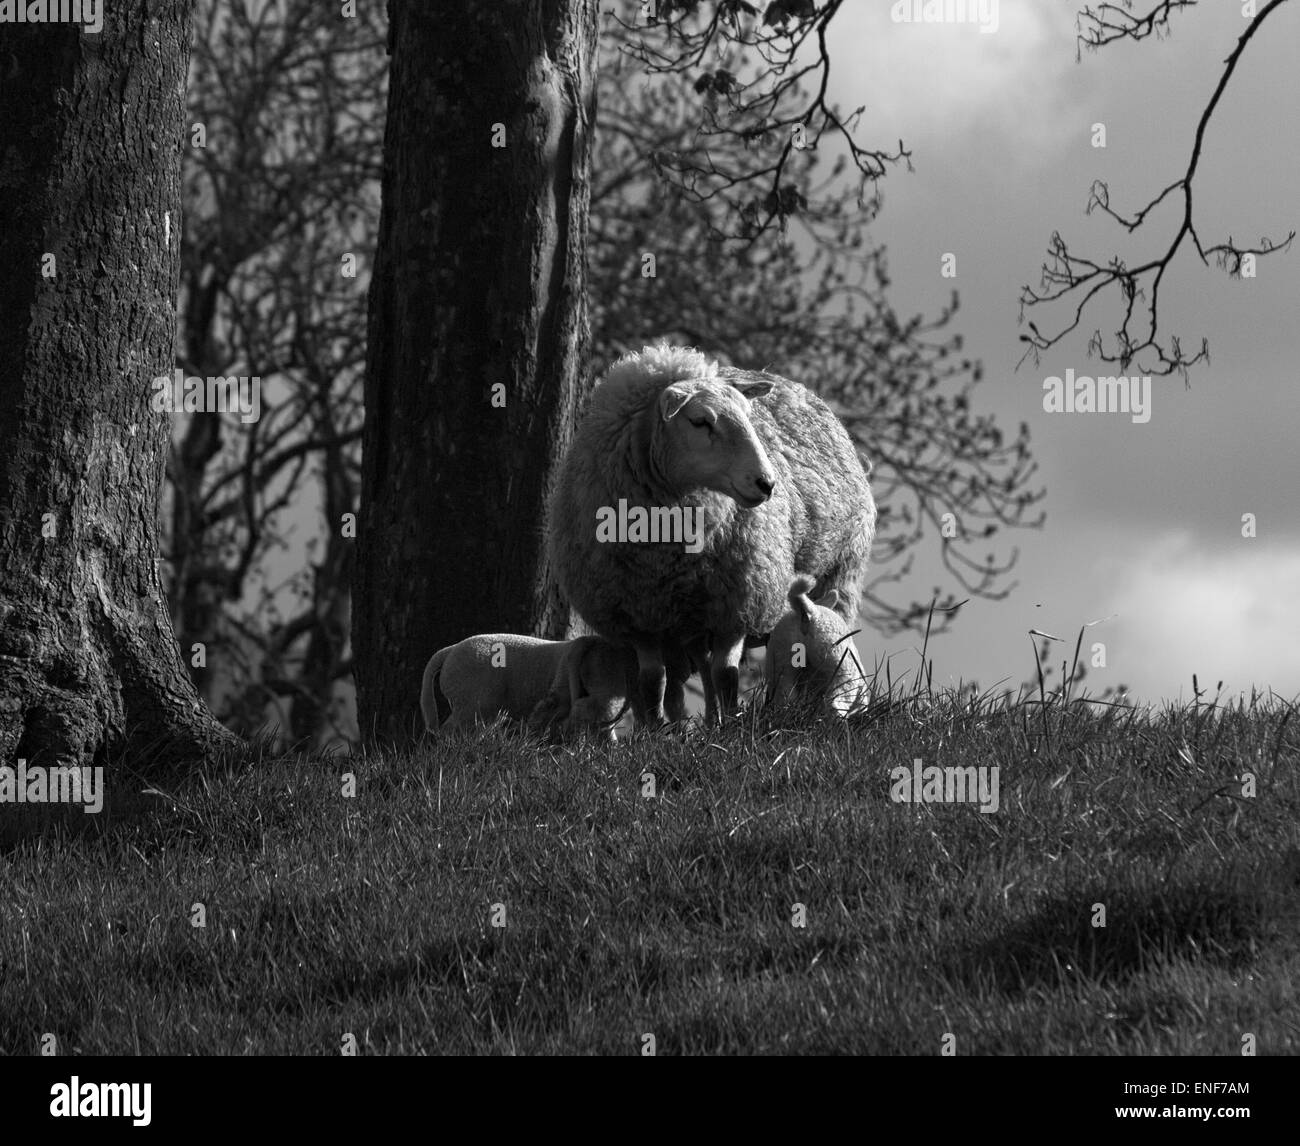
1144,525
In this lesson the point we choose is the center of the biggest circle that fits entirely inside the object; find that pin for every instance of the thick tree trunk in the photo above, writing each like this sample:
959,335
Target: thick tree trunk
477,332
90,148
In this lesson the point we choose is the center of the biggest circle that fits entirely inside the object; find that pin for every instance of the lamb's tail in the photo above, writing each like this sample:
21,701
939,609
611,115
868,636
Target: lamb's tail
434,705
798,597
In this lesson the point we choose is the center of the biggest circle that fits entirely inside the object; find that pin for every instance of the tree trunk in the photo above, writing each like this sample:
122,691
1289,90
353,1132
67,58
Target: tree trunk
90,150
477,332
331,599
199,581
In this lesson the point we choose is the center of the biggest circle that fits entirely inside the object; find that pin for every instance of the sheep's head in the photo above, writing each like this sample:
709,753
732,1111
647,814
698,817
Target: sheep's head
710,442
550,711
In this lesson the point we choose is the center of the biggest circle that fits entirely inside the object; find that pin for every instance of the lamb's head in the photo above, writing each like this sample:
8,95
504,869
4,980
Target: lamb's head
706,440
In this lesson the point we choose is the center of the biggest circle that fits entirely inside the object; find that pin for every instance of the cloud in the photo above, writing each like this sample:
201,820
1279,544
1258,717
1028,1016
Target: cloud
933,82
1229,617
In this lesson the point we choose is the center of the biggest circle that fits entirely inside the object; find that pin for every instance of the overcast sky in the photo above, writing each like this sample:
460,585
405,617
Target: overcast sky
1144,521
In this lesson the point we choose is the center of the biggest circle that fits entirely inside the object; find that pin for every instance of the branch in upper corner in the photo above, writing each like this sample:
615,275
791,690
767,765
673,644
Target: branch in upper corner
1069,276
1106,23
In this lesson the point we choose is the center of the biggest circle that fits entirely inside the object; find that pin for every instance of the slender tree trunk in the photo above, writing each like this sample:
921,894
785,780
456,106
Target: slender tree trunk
477,332
90,147
331,600
200,582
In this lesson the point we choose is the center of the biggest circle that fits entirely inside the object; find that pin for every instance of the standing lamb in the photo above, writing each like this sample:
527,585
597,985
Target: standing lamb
690,497
811,653
493,673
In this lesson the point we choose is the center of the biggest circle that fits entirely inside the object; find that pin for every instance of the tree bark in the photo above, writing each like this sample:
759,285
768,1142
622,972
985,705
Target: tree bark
477,332
90,151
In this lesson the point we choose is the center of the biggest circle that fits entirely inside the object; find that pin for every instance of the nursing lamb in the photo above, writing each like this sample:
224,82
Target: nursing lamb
810,654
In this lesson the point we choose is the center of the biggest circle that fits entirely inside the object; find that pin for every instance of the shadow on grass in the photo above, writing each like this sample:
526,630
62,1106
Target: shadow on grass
135,788
1058,944
507,977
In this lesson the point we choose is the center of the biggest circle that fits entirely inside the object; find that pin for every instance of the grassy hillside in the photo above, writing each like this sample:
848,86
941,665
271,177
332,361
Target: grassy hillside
329,914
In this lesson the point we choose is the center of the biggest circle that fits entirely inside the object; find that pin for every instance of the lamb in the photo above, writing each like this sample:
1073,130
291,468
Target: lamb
493,673
811,653
691,495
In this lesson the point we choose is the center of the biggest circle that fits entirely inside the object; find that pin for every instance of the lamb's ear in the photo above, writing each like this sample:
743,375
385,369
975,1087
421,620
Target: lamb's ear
753,390
829,599
673,398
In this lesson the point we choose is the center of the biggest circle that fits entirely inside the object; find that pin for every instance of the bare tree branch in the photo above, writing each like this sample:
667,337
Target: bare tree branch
1066,276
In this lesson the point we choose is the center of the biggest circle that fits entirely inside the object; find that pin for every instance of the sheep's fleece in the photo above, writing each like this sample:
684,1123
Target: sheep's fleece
819,520
828,666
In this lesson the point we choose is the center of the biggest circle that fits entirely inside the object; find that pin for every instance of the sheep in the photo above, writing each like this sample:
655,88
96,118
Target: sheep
493,673
810,652
689,498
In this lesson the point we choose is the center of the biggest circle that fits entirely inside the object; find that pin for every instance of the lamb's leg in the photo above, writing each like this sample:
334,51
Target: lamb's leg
652,678
726,654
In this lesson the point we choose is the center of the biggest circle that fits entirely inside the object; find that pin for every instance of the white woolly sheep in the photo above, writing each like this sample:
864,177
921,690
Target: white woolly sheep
493,673
690,496
810,653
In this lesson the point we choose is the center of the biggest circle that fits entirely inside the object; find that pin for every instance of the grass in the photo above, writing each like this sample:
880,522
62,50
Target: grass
372,915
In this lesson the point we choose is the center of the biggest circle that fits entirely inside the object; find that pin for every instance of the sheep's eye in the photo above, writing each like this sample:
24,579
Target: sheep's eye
702,424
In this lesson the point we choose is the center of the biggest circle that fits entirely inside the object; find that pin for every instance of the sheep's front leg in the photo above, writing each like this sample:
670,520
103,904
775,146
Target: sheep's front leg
726,654
678,666
652,679
697,650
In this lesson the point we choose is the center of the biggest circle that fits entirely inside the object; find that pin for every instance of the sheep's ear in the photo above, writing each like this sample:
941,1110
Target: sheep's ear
753,390
829,599
674,398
